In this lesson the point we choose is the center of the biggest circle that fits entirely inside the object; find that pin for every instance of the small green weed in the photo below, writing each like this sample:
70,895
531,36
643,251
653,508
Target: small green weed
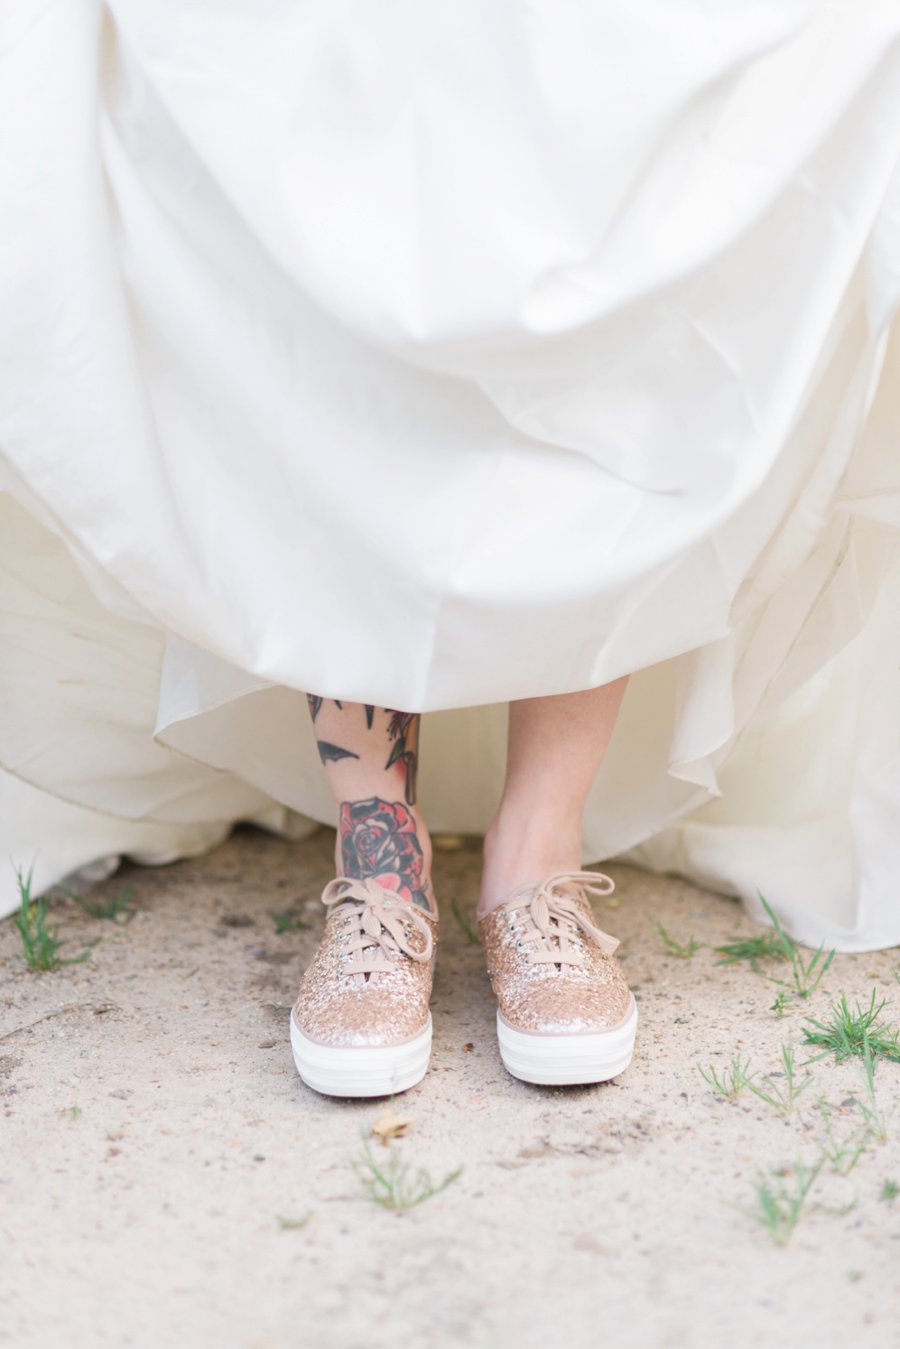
841,1154
778,1205
40,943
805,975
289,921
767,946
72,1112
732,1082
874,1120
109,909
683,950
393,1184
853,1034
781,1098
781,1004
889,1191
293,1224
463,923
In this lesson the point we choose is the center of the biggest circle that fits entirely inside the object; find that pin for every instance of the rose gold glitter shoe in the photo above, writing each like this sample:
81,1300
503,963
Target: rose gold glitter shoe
565,1013
361,1024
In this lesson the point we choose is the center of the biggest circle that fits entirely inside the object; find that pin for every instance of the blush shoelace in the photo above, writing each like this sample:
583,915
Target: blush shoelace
377,926
553,926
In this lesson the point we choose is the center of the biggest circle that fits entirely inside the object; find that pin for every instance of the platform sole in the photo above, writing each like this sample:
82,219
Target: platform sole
361,1070
567,1060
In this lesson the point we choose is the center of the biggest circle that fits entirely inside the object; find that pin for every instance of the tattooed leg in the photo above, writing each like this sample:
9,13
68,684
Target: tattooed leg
370,756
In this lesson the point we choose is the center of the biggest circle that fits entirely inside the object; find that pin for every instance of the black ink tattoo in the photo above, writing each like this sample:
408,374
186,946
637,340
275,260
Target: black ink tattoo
315,705
404,731
329,752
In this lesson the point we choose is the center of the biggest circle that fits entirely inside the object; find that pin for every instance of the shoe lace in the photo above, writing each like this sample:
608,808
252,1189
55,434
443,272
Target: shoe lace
553,923
378,926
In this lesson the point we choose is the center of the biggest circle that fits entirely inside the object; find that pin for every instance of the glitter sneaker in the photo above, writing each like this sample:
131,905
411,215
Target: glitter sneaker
361,1024
565,1013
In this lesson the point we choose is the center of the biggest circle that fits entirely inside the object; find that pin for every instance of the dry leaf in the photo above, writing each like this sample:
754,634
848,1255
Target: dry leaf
390,1125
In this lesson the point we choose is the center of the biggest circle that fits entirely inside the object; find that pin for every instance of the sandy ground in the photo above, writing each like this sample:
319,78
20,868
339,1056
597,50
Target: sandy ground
155,1133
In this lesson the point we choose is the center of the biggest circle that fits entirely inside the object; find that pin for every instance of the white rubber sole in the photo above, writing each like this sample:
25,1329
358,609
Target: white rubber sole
363,1070
567,1060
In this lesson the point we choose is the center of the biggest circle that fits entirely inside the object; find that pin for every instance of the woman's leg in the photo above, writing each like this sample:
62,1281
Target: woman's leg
565,1013
556,746
370,755
361,1024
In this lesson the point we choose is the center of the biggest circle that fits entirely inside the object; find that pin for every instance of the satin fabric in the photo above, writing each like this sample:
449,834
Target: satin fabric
435,356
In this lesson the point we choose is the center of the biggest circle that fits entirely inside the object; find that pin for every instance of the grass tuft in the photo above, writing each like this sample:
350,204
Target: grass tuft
732,1082
841,1154
392,1183
109,909
806,975
778,1205
781,1098
463,923
767,946
683,950
289,921
40,942
853,1034
293,1224
875,1123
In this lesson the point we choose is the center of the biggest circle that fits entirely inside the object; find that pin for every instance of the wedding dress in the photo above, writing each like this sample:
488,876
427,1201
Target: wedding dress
439,355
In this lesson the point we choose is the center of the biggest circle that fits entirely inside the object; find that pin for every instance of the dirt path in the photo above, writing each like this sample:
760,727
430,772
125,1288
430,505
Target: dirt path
155,1136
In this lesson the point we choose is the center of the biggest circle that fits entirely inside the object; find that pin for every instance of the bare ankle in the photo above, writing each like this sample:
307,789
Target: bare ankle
522,849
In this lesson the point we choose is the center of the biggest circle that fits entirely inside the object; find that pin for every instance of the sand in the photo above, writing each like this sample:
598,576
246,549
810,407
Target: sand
155,1135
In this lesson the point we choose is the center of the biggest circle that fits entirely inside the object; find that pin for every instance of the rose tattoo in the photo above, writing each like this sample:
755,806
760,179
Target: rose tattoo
378,840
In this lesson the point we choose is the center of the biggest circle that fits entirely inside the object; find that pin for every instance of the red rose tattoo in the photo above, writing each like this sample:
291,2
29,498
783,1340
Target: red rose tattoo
379,840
